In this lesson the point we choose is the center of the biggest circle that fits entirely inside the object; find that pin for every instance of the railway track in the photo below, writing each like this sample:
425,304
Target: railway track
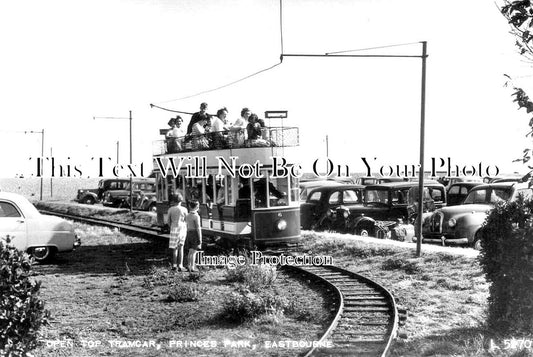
366,316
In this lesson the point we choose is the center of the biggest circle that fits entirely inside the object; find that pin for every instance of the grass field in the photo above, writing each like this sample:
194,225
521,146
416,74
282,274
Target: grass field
444,292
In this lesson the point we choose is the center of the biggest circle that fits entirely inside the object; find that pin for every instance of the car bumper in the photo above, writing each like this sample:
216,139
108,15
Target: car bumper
446,240
77,242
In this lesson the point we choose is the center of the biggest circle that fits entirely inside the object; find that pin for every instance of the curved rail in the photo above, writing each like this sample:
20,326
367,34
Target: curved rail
366,320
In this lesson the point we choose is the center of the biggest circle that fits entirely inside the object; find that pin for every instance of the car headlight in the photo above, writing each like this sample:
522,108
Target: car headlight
452,222
345,214
281,225
329,213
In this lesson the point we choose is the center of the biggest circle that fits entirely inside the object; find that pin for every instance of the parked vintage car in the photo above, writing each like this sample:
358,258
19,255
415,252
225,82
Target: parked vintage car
142,188
391,204
93,195
458,191
372,180
461,224
23,227
307,186
319,210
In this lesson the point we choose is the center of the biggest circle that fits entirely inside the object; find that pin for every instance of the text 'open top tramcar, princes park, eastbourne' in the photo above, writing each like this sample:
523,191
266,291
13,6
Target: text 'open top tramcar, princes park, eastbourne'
247,188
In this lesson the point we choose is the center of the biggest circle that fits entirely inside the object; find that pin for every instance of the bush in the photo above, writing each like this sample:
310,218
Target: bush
21,311
184,293
506,258
254,277
244,305
401,264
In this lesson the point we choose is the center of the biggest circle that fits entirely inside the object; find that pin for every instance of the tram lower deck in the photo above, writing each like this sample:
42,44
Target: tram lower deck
256,206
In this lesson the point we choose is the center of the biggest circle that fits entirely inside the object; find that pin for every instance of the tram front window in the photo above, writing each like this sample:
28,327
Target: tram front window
277,192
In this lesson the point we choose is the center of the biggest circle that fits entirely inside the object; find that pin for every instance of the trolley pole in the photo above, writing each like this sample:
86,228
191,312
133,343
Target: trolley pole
422,134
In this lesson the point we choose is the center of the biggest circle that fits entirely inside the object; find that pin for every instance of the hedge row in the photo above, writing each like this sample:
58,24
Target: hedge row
506,258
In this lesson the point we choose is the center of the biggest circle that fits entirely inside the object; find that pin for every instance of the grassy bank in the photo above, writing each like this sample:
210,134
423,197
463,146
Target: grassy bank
445,295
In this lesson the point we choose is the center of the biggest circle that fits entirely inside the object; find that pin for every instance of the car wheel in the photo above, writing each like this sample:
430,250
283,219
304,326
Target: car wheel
477,241
42,254
153,208
89,200
363,233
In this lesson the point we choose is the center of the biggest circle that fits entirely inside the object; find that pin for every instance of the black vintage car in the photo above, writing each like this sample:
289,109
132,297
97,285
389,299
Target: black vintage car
319,210
390,204
94,195
457,192
143,195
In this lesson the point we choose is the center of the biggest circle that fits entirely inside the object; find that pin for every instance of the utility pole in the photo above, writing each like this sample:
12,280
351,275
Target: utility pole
130,118
423,56
422,133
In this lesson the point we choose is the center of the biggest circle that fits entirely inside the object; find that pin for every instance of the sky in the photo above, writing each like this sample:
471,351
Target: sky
65,62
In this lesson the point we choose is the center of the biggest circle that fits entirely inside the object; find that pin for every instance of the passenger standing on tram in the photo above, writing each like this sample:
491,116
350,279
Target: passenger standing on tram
197,116
193,242
178,230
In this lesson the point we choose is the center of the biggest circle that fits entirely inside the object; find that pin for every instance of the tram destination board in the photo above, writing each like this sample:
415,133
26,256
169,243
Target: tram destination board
276,114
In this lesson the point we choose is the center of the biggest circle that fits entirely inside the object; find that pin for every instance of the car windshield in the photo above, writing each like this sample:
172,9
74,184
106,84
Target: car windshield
488,195
377,196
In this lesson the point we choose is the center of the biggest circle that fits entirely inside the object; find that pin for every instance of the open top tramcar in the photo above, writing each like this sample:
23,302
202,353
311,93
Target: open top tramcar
248,191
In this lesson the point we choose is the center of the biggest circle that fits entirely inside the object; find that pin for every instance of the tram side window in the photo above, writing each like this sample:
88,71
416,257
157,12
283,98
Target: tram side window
159,183
295,190
229,185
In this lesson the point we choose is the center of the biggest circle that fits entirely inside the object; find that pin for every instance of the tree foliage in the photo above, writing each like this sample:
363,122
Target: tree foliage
519,14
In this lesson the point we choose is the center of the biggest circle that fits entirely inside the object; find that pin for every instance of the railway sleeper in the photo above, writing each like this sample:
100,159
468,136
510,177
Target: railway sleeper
367,309
345,332
365,303
365,297
347,352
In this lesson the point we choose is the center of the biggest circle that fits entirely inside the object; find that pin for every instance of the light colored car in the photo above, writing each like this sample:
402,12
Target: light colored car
23,227
461,224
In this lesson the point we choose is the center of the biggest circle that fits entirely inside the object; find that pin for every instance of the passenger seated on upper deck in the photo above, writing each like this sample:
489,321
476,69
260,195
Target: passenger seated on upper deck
238,132
175,135
219,130
199,141
254,131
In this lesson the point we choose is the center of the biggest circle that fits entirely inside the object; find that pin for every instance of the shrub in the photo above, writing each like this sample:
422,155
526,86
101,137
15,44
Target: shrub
506,258
254,277
244,304
21,311
157,277
184,293
401,264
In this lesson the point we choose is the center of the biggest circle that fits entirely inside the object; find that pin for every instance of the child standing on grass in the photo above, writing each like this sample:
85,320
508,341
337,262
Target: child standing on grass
194,235
178,230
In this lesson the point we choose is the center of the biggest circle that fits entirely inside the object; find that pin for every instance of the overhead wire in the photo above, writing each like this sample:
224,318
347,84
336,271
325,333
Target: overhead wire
374,48
238,80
